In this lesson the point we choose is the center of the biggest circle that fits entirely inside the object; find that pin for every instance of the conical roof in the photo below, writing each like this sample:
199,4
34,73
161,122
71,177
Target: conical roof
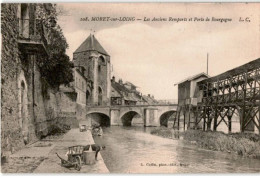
91,43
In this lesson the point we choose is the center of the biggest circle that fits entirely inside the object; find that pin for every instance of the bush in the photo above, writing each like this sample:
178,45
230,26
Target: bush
163,132
243,144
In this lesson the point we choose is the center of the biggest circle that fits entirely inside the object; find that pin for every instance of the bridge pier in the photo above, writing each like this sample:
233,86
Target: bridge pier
115,117
151,117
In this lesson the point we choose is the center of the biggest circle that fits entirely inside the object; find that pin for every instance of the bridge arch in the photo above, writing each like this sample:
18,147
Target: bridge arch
132,118
98,118
166,116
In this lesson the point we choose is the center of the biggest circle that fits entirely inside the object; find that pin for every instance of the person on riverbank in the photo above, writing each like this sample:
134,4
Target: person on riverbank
97,131
94,147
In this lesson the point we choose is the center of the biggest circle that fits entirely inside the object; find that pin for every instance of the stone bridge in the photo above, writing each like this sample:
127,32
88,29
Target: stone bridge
138,115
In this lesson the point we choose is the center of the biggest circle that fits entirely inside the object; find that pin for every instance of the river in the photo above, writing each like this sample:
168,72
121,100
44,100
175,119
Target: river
135,150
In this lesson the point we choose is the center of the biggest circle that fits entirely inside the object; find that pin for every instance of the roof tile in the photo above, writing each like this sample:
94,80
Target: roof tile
91,43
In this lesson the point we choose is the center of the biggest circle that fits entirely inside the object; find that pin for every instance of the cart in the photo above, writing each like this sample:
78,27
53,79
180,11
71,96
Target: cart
68,164
74,157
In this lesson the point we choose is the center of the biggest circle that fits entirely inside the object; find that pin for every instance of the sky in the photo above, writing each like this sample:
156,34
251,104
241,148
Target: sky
156,55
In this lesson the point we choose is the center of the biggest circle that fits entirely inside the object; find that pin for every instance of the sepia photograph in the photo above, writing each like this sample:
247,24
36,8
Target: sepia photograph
130,88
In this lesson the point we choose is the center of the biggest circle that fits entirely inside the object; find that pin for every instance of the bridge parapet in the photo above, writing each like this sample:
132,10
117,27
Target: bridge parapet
138,105
149,113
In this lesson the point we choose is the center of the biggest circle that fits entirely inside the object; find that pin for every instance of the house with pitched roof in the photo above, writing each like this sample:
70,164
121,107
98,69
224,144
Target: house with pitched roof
187,89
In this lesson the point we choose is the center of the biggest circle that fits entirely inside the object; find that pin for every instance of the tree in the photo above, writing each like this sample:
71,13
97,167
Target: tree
57,68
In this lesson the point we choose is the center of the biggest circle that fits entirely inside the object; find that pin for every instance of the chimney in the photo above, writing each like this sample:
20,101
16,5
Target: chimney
113,79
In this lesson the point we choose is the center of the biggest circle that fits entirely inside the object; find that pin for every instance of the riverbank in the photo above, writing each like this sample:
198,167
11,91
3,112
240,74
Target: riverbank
246,144
41,156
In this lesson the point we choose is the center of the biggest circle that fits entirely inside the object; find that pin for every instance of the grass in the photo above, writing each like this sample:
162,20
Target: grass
163,132
245,144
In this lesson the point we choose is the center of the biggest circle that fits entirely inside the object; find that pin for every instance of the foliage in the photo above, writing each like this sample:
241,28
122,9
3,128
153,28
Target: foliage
57,68
58,71
241,144
163,132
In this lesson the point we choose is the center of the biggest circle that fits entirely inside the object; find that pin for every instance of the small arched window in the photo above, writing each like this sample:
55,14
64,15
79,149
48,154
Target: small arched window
22,85
87,97
101,60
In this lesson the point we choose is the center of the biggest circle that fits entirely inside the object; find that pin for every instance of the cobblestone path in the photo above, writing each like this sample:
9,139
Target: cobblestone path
41,157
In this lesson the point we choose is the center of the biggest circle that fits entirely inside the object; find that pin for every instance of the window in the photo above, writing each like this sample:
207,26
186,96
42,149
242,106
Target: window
87,97
99,68
99,96
24,20
101,60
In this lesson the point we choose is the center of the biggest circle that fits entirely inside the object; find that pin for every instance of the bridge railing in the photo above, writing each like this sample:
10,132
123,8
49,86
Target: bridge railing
232,97
168,101
140,105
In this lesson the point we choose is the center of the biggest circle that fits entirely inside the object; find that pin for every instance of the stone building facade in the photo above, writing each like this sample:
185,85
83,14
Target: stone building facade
29,105
20,117
95,60
82,86
10,125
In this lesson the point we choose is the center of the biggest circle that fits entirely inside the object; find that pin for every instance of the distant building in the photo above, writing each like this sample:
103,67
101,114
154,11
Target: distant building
149,99
127,94
130,86
122,95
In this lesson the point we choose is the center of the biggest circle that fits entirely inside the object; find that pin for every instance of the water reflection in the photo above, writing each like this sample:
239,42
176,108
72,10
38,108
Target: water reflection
135,150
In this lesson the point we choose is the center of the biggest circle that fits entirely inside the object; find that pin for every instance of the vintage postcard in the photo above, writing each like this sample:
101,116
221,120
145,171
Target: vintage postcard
130,88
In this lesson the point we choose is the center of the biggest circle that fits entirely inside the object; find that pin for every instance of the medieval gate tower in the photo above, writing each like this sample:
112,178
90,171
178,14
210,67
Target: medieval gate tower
94,62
